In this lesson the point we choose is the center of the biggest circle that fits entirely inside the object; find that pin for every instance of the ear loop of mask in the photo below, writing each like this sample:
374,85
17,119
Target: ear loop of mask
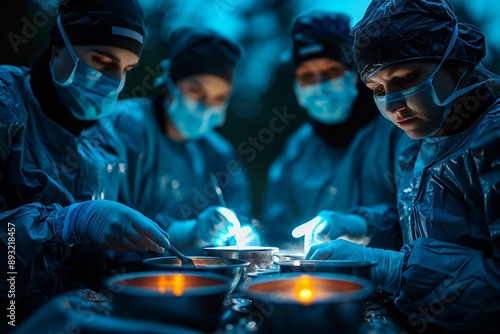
70,51
463,90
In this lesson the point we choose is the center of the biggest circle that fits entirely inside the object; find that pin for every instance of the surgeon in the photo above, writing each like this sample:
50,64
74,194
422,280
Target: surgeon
431,84
341,160
181,173
59,165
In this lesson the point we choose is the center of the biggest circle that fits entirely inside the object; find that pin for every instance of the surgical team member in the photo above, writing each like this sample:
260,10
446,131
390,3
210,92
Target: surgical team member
430,83
172,147
342,159
57,161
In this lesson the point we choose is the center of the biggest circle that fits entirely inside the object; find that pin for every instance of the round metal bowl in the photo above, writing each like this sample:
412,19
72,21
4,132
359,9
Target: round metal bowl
355,268
333,303
234,268
260,258
288,254
193,300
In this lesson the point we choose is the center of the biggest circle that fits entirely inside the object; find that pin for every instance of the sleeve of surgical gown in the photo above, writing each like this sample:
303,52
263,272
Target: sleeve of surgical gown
26,230
447,283
384,230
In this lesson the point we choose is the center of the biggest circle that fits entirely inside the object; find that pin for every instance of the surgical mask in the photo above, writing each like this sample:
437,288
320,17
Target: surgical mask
87,93
329,102
191,118
425,91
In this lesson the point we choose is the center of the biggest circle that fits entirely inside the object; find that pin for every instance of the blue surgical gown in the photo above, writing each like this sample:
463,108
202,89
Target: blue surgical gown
310,176
43,168
170,180
449,207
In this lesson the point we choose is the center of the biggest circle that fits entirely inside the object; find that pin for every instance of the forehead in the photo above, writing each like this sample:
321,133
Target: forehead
207,81
316,63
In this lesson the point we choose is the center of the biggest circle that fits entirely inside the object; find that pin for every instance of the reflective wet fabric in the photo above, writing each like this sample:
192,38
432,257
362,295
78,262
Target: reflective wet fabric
449,210
170,180
310,176
43,168
393,31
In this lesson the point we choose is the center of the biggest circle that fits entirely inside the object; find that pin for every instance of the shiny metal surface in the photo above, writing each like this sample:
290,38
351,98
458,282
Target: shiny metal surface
233,268
355,268
339,310
192,300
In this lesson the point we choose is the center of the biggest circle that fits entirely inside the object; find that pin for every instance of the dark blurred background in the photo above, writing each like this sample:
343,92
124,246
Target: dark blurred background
264,87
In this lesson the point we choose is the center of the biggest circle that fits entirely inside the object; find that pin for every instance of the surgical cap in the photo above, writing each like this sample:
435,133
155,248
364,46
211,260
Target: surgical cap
395,31
116,23
322,34
201,51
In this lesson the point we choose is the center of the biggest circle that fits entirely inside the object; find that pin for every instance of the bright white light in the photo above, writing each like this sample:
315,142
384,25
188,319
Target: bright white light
306,228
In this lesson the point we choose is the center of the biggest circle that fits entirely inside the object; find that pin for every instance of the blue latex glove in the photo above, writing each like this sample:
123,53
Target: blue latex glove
248,236
330,225
111,225
386,275
213,226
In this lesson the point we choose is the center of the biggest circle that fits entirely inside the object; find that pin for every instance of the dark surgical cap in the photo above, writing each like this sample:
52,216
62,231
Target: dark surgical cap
116,23
395,31
321,34
201,51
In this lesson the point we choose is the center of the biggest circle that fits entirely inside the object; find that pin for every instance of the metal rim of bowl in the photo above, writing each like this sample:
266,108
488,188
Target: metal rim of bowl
266,296
241,249
326,263
238,263
222,286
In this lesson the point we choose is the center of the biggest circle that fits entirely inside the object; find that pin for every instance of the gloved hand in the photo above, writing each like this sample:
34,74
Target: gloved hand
115,226
386,275
213,226
248,236
330,225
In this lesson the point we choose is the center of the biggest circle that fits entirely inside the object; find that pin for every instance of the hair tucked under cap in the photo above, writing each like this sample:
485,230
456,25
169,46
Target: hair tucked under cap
395,31
116,23
201,51
322,34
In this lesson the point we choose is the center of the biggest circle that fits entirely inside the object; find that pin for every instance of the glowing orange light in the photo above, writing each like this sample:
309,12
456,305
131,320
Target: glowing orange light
174,283
304,289
178,284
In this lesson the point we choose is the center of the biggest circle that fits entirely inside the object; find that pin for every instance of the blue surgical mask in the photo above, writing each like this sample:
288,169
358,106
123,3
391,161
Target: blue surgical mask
87,93
191,118
425,91
329,102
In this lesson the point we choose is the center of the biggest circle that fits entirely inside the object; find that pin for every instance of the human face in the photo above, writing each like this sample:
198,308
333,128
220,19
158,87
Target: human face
208,89
112,61
420,116
318,70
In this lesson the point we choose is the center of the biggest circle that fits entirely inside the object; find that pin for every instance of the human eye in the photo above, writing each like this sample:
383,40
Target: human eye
379,91
333,72
195,90
101,62
306,78
406,80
